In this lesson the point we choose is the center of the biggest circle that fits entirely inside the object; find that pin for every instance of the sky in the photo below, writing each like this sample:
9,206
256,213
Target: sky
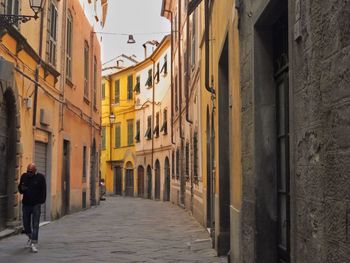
137,17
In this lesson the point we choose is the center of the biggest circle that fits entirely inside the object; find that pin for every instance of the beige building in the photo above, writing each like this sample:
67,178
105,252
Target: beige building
153,136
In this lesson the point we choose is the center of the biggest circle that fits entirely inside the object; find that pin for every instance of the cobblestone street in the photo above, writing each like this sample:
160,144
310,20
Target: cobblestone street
119,230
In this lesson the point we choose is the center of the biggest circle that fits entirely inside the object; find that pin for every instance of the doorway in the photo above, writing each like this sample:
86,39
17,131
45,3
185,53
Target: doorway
166,180
140,181
7,155
149,182
65,178
118,180
224,153
129,180
93,174
157,181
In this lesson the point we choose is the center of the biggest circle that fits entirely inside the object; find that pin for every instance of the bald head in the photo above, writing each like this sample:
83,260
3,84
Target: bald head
31,168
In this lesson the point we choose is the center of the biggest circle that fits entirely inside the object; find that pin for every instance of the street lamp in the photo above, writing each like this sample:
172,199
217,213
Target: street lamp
111,118
9,19
131,40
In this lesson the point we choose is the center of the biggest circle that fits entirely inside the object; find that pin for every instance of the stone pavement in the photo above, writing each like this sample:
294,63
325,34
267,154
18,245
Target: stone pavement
119,230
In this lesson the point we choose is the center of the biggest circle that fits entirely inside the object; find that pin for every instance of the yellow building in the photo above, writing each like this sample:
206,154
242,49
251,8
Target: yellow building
118,132
135,105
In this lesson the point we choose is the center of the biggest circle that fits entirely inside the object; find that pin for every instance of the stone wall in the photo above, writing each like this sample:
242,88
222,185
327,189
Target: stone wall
319,104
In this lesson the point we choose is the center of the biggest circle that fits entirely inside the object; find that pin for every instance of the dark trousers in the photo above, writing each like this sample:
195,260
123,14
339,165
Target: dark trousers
31,220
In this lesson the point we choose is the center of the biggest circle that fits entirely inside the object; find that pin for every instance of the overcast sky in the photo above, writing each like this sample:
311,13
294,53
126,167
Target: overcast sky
138,17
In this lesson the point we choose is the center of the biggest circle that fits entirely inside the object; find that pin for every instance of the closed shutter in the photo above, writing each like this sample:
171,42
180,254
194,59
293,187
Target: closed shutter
48,33
41,162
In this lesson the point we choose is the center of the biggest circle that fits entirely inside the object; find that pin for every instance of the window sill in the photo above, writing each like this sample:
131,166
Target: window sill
86,100
69,82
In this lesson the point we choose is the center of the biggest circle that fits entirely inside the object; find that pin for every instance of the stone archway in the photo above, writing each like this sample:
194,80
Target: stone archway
9,126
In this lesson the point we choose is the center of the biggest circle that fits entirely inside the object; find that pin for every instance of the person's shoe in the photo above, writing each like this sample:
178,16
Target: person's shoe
34,248
29,243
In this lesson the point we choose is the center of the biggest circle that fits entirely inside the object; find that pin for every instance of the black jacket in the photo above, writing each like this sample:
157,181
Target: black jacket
33,188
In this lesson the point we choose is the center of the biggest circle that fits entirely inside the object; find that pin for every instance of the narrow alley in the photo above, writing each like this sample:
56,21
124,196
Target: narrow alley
118,230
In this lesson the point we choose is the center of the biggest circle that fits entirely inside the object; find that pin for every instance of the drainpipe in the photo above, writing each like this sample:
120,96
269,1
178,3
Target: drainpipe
171,76
180,71
207,85
187,63
35,102
111,126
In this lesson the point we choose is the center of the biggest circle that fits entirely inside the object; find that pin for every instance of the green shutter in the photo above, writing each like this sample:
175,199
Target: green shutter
117,91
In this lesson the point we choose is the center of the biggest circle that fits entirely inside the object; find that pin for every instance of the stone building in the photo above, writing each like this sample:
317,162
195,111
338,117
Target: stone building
295,62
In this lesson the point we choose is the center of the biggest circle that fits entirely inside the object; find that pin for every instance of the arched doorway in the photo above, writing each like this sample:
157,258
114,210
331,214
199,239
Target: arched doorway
7,155
149,182
140,181
157,180
129,179
166,180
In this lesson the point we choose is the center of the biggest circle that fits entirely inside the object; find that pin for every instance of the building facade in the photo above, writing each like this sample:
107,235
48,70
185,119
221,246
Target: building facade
34,106
118,132
135,153
153,145
294,68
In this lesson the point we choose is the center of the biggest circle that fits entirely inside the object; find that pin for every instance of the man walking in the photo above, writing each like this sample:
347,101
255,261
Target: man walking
33,187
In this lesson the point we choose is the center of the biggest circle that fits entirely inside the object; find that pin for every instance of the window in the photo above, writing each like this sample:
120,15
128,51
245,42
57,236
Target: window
117,91
156,128
103,91
130,86
175,28
173,164
52,34
157,74
185,69
12,7
149,78
84,163
193,42
103,135
69,47
137,137
187,156
164,128
95,82
86,70
165,66
148,133
176,96
117,135
137,86
130,132
195,157
177,163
